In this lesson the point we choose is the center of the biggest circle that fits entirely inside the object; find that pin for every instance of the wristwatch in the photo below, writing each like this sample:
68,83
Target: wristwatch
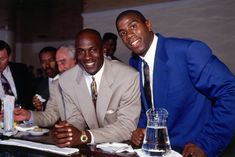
83,137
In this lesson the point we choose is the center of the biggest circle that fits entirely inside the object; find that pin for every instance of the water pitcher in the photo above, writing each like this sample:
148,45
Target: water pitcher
156,140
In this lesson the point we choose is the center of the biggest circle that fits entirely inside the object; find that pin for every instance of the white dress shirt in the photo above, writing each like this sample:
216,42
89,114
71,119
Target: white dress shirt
88,79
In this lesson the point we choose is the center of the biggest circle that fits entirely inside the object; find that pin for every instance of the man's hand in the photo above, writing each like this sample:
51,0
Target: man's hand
192,150
66,135
138,136
21,114
1,115
38,105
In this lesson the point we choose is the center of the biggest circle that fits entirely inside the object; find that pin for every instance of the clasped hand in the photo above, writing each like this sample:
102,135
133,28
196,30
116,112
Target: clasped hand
66,135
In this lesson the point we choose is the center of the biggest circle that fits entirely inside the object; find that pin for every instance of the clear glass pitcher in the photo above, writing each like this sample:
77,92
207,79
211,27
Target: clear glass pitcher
156,140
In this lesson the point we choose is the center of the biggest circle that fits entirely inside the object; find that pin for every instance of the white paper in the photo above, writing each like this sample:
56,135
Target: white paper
40,146
115,147
40,98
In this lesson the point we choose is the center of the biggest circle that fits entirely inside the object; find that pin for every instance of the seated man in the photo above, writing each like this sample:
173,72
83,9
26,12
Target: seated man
107,114
14,79
49,66
65,58
106,109
110,45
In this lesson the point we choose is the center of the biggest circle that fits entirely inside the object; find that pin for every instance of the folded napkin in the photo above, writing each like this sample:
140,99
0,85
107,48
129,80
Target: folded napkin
40,146
115,147
172,153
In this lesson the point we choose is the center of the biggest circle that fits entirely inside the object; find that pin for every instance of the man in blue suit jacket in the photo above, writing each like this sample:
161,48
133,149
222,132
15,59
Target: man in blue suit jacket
195,87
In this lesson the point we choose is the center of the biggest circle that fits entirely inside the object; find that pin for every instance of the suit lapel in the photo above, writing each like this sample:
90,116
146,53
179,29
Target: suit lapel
160,78
105,92
85,101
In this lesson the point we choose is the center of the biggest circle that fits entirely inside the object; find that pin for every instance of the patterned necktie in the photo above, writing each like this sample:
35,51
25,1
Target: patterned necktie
147,89
94,93
6,85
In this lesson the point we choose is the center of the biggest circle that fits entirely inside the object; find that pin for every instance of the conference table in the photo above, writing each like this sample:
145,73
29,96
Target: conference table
84,151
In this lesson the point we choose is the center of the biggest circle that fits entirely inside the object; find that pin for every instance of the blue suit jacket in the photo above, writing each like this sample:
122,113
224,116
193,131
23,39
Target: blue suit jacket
198,91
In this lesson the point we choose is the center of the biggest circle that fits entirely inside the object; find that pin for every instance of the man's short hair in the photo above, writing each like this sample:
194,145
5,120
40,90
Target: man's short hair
47,49
108,36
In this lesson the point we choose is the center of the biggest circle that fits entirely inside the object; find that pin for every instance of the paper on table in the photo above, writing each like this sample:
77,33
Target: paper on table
172,153
40,146
115,147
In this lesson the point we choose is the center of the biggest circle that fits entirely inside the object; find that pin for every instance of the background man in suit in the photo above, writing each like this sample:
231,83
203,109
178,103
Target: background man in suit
16,76
196,88
110,45
107,113
49,66
65,58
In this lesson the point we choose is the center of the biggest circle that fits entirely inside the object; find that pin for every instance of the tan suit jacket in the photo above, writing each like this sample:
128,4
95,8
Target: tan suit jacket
118,103
54,110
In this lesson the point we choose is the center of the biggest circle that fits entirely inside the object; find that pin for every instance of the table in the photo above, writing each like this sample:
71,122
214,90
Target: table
84,151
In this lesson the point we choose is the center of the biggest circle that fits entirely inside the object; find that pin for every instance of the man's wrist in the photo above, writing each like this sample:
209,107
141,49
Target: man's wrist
85,137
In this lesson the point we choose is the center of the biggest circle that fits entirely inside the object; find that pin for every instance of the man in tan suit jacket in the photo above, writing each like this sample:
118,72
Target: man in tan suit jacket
116,111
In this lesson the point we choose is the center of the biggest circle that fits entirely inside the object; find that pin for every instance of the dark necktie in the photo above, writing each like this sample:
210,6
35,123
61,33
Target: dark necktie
147,89
94,93
6,85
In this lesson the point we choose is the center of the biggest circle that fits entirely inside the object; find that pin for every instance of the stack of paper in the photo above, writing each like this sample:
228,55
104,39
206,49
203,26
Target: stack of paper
115,147
40,146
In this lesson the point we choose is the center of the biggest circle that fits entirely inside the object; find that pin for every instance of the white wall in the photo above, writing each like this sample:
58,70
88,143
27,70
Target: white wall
212,21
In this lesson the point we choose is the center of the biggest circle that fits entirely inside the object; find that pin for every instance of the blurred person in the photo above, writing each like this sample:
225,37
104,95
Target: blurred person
195,87
15,78
110,45
47,57
65,57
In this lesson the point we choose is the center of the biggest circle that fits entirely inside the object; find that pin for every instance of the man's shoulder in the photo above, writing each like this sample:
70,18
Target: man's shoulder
17,65
177,41
70,74
120,66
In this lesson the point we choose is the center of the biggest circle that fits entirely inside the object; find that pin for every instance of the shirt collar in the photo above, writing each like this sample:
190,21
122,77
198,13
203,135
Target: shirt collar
6,70
54,78
150,55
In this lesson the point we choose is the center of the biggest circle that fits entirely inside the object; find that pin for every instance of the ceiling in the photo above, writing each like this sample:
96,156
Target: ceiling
54,20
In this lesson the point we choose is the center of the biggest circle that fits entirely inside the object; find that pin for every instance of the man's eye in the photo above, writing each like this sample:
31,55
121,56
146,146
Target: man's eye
80,51
93,50
122,33
133,26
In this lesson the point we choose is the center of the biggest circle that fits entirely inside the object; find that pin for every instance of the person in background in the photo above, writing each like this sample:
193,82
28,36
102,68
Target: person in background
65,57
110,45
49,66
15,78
101,98
195,87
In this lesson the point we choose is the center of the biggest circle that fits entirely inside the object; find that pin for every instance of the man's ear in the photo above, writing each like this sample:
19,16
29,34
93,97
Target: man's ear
149,25
10,58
